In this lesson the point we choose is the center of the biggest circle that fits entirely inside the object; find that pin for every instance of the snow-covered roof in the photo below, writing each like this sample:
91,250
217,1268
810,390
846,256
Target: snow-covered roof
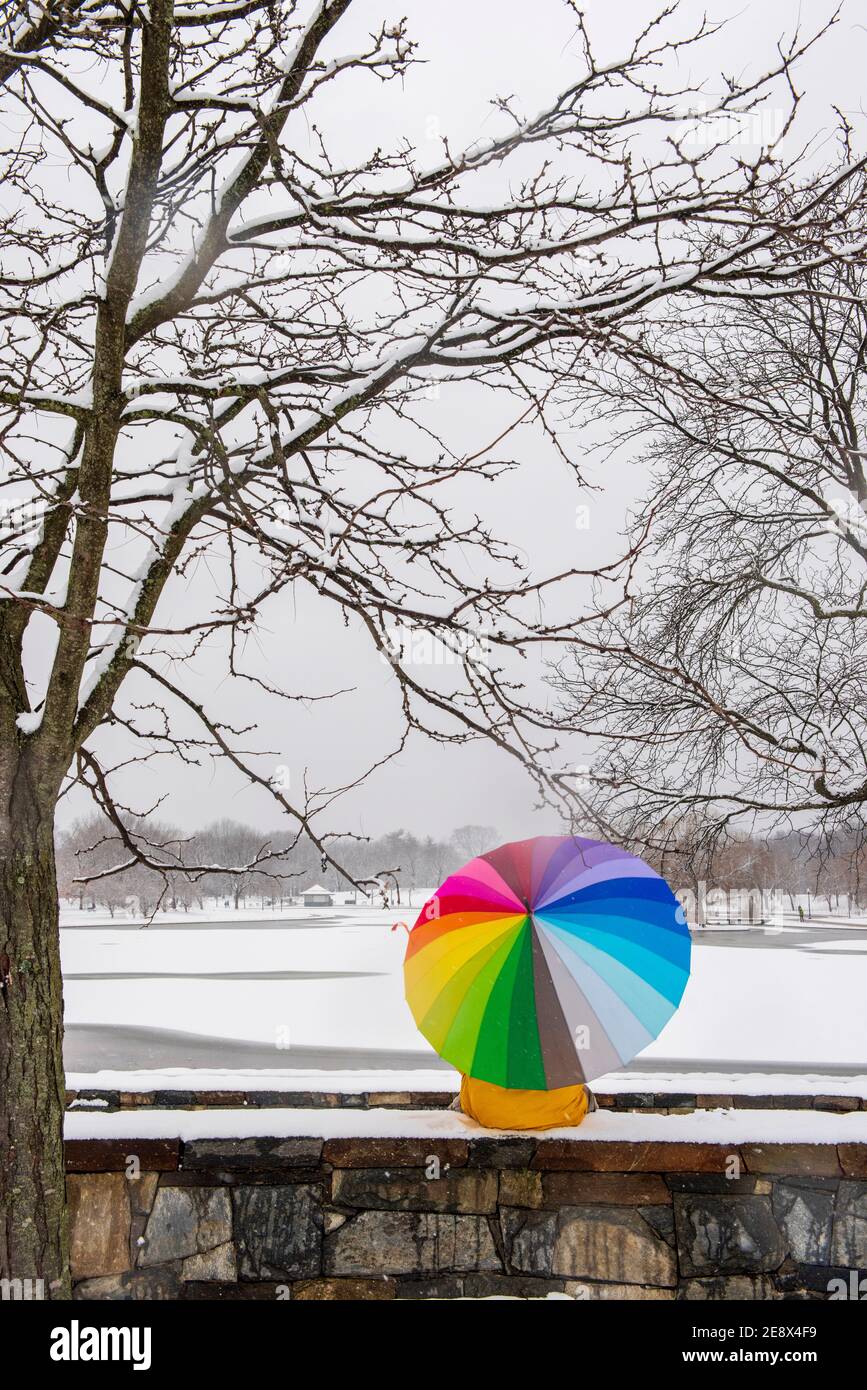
317,888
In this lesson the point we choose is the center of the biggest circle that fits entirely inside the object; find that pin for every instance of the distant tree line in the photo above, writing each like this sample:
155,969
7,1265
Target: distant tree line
94,868
398,865
787,865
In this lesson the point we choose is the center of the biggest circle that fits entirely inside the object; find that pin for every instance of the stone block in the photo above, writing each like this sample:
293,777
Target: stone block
805,1216
404,1242
99,1224
501,1153
722,1235
837,1105
529,1238
661,1220
210,1292
510,1286
215,1100
598,1156
849,1242
597,1189
809,1160
520,1187
617,1293
142,1191
150,1285
278,1231
185,1221
244,1155
748,1184
345,1290
459,1190
447,1286
219,1265
611,1245
113,1155
733,1288
395,1153
853,1159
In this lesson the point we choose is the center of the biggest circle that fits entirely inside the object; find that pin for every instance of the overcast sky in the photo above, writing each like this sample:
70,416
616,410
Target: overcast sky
473,52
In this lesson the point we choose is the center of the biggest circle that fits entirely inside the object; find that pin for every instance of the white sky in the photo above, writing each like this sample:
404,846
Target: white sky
474,50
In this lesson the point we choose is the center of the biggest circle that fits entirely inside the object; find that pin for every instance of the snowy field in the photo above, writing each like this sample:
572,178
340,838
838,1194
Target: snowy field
313,998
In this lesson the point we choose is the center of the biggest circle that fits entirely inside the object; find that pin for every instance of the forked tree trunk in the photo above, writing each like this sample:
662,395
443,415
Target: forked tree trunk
33,1224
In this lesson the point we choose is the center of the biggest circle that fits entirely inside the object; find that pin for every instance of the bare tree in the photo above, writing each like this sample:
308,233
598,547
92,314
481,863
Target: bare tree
730,687
471,840
219,340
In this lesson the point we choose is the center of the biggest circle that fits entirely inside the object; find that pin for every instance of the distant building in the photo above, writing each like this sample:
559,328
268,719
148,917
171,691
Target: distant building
317,896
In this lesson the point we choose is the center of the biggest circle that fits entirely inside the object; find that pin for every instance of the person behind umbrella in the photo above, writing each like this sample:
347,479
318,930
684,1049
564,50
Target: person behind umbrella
539,964
498,1108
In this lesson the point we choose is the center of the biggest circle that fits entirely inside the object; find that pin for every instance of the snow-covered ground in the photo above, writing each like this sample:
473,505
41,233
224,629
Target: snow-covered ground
313,999
723,1126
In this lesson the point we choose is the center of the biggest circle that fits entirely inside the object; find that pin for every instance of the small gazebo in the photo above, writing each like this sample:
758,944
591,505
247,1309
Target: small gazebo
317,896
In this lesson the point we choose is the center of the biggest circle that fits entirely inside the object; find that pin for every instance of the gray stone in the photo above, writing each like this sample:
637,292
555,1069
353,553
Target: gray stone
278,1231
850,1226
804,1215
185,1221
404,1242
838,1105
245,1155
719,1235
448,1286
529,1237
521,1187
510,1286
214,1266
756,1288
142,1191
460,1190
344,1290
149,1285
211,1292
793,1279
612,1245
746,1185
618,1293
501,1153
661,1220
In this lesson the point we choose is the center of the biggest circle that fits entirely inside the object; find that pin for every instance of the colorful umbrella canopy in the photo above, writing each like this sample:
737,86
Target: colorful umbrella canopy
547,962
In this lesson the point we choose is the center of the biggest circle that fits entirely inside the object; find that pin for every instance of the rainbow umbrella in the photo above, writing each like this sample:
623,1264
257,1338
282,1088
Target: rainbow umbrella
547,962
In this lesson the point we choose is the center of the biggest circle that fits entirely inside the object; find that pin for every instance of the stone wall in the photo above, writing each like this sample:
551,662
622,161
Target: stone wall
636,1102
364,1218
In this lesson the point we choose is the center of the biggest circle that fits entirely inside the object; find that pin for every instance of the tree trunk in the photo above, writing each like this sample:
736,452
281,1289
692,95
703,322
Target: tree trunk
33,1223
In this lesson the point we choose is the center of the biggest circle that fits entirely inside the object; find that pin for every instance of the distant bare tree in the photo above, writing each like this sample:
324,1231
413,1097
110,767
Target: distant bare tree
220,341
472,840
730,687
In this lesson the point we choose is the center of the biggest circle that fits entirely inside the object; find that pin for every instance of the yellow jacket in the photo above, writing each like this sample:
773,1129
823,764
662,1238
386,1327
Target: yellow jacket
496,1108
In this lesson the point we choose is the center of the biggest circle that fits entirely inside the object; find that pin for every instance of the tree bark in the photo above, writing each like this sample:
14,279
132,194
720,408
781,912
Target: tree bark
33,1220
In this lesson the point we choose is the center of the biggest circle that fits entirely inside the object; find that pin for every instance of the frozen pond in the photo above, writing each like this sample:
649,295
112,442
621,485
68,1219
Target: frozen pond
321,990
